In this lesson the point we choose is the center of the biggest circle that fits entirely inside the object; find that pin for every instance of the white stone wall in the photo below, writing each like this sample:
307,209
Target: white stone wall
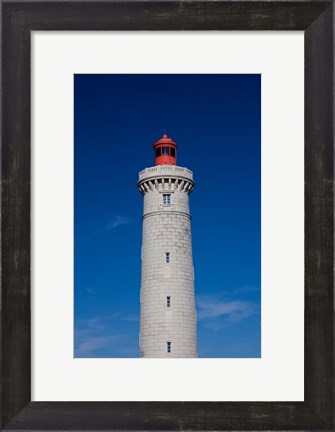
167,229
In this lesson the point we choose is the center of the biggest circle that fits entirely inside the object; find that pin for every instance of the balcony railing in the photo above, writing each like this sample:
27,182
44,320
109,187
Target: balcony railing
166,170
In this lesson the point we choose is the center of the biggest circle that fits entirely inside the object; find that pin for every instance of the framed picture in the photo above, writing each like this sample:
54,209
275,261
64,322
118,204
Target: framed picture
142,394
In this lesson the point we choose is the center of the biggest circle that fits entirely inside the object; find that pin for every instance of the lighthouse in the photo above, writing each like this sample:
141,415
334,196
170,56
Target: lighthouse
167,302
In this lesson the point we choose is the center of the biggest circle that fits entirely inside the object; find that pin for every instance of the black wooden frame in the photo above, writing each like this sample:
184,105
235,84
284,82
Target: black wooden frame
316,18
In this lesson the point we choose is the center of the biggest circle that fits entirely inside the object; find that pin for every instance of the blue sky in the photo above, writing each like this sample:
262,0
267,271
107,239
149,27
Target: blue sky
216,121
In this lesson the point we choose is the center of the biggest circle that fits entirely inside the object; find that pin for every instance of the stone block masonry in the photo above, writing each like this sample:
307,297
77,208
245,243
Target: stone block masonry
168,315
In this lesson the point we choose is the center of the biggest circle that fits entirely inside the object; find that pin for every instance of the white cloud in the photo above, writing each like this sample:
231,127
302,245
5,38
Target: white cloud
89,290
101,322
117,221
93,343
103,333
214,310
246,289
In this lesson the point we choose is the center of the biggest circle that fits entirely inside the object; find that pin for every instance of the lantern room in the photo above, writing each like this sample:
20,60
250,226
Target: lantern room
165,151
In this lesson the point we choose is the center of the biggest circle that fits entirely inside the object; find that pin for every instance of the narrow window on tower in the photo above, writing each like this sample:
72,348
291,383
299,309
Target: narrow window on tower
166,198
168,347
168,301
167,257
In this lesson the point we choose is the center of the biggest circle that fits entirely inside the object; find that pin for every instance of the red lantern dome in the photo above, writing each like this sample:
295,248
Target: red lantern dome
165,151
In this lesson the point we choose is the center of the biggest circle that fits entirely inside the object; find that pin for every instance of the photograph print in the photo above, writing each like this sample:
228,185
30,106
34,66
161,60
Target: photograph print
167,216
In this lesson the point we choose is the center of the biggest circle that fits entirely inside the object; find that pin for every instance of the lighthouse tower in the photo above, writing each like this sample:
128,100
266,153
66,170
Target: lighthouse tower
168,316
